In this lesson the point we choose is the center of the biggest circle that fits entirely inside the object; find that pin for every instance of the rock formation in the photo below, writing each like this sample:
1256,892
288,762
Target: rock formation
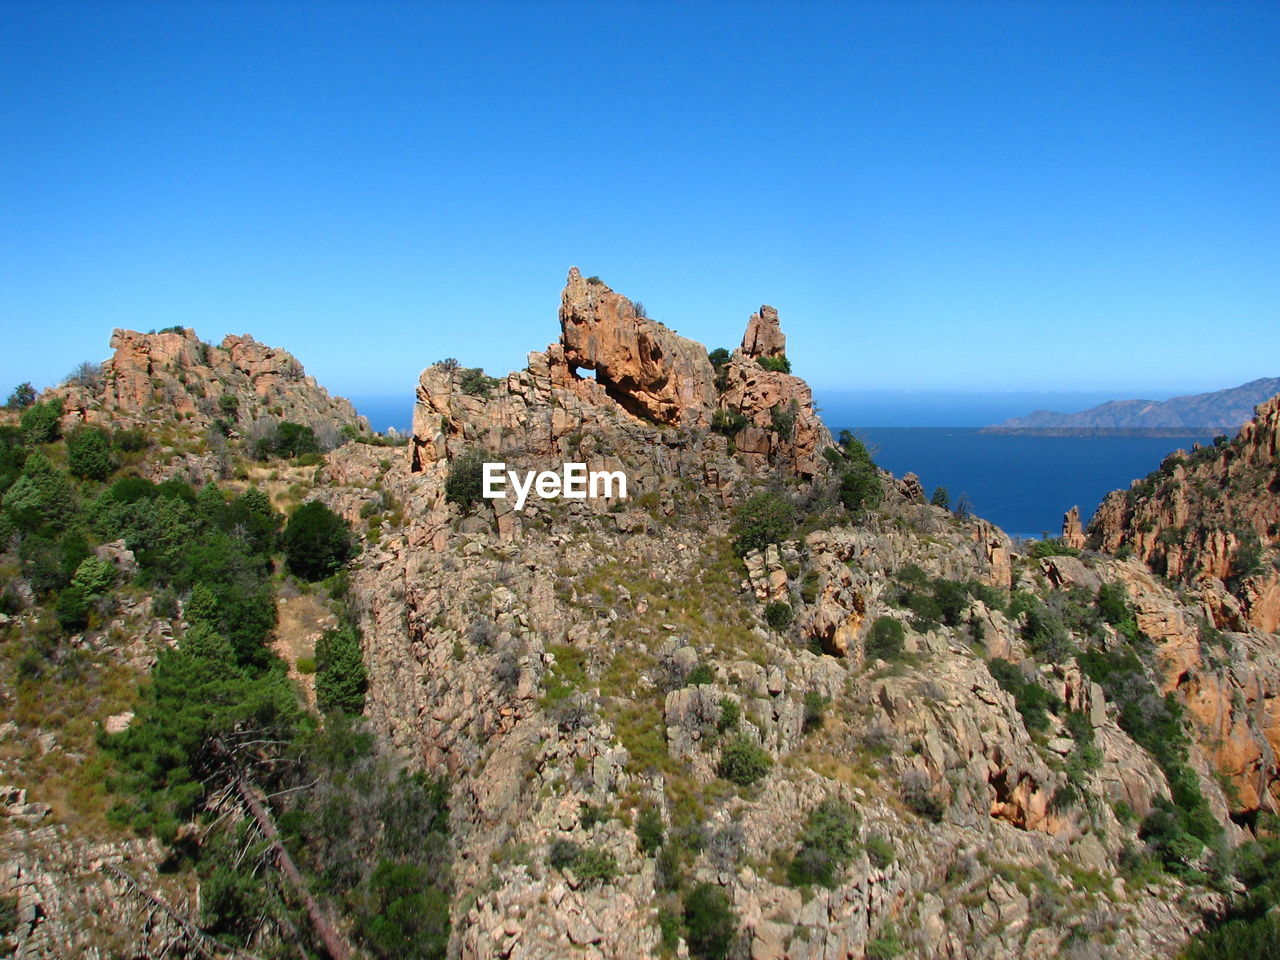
583,663
649,405
651,371
174,376
1209,517
633,594
764,336
1072,532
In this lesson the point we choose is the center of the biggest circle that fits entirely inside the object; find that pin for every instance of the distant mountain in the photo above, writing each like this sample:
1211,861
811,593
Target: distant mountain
1223,411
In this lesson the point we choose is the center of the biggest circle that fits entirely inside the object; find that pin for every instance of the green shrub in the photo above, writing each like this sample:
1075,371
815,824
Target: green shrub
42,497
885,945
880,850
130,441
778,364
1254,938
1154,722
917,794
815,710
228,405
730,714
593,863
562,853
317,542
860,488
24,395
671,927
40,422
742,761
728,422
306,665
9,917
408,915
1031,700
778,615
827,845
341,678
885,640
465,483
588,863
941,498
649,829
197,693
88,453
699,675
782,419
591,814
1051,547
94,576
764,519
474,383
72,609
710,922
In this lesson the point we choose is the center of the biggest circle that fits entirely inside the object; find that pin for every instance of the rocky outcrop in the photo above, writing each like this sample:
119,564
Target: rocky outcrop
174,376
1209,517
649,406
651,371
764,336
781,422
579,665
1072,532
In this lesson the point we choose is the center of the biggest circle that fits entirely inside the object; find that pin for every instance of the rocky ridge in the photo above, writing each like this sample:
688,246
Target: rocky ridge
1210,518
580,665
1207,413
174,376
532,655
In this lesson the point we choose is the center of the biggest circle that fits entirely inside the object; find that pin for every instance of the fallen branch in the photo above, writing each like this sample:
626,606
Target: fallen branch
333,941
205,944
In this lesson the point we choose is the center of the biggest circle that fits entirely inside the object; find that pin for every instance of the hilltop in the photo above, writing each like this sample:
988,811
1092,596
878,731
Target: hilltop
1222,411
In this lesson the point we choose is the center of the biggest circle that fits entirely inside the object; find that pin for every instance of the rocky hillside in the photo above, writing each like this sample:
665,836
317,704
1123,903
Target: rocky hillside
772,704
1222,411
610,679
1210,518
172,377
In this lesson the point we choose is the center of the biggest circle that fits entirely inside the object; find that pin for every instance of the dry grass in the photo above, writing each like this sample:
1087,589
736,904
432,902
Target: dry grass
301,620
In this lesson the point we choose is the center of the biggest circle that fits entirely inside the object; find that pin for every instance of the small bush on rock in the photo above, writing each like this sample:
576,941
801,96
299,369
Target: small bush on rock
885,641
742,761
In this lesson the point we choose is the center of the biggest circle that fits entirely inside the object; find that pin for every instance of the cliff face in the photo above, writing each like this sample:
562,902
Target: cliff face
1210,521
173,376
1210,518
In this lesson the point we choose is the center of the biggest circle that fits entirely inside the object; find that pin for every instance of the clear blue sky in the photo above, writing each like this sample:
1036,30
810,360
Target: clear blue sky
949,196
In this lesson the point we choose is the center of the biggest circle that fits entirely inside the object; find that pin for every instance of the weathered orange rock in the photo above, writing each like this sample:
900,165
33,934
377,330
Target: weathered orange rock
782,424
647,378
1072,532
1194,519
173,375
764,336
651,371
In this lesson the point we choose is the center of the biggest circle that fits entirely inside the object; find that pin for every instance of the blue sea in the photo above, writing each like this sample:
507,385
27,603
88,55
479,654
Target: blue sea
1021,484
